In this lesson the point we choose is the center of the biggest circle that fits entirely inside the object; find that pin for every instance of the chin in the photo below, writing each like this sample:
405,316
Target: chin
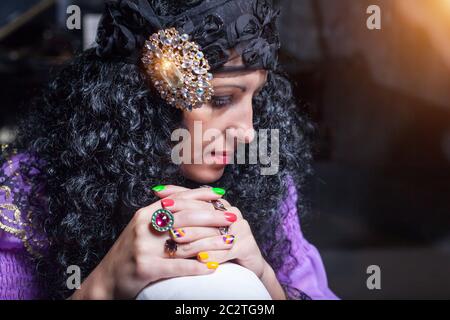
203,173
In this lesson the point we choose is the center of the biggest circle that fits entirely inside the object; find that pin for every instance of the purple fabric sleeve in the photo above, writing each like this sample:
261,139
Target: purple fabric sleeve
18,240
304,269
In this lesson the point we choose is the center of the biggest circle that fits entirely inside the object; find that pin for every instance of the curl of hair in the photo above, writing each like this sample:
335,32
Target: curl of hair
104,135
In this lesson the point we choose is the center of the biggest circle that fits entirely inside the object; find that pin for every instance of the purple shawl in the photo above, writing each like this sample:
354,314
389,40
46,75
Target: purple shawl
18,242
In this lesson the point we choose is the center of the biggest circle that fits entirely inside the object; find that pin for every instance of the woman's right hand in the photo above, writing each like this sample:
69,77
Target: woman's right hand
138,258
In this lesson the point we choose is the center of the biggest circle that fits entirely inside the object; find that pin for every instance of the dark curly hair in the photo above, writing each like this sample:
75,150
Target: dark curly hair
104,136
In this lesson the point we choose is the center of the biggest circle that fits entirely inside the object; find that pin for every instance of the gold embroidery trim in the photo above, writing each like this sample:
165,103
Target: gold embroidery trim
7,191
17,221
19,233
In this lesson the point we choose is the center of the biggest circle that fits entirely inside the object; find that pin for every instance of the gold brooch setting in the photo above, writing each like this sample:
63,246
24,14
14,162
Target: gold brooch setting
178,69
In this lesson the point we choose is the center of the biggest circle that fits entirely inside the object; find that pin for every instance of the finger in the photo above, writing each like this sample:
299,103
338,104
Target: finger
203,194
144,214
206,244
219,256
190,234
164,191
185,267
236,211
225,203
210,218
175,205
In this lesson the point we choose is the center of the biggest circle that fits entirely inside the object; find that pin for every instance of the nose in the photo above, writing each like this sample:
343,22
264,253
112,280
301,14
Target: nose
240,125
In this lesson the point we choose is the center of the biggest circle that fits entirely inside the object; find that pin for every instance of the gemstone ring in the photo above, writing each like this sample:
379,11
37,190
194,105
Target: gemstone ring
170,247
162,220
218,205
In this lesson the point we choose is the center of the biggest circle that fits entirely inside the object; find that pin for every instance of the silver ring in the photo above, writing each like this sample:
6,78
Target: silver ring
223,230
218,205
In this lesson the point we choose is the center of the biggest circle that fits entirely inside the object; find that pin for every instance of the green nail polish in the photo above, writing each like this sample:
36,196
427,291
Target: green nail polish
219,191
158,188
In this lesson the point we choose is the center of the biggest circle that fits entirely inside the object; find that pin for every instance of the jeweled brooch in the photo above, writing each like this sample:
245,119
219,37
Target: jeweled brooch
178,69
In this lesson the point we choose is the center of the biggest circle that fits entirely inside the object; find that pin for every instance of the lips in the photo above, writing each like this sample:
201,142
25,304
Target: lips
221,157
221,153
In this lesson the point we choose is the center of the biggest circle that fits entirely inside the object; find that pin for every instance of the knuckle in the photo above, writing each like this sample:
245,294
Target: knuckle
186,248
139,231
138,250
224,257
240,225
244,223
142,269
180,195
190,234
226,203
235,209
171,269
192,268
138,215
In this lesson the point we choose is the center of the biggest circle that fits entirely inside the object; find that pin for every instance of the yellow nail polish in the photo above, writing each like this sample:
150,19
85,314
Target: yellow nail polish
212,265
203,256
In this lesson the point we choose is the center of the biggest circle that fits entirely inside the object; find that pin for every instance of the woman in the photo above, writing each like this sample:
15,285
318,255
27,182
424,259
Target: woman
101,137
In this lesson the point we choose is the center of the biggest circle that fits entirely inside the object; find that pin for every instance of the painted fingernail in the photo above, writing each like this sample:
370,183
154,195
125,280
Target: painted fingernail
202,256
158,188
230,216
167,202
212,265
228,239
218,191
177,233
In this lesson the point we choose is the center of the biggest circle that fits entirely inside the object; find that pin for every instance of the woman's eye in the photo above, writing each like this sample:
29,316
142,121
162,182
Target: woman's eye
223,101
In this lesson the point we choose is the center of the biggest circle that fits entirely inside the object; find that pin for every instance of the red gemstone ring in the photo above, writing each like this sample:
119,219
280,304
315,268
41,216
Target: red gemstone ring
162,220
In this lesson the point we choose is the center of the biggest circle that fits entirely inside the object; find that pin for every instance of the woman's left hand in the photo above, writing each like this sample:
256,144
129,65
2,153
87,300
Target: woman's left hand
244,251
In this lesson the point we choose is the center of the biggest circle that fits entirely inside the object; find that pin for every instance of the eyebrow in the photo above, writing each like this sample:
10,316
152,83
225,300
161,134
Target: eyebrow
232,71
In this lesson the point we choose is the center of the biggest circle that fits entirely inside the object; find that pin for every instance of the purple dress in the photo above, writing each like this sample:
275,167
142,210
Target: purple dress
18,241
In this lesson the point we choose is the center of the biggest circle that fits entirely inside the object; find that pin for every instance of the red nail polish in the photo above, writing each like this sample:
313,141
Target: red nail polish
167,203
230,216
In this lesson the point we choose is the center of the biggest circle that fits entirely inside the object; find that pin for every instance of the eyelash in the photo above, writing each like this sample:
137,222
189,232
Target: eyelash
222,101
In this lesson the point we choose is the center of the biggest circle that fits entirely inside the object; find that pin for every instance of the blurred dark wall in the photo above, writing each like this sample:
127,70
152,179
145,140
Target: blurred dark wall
382,103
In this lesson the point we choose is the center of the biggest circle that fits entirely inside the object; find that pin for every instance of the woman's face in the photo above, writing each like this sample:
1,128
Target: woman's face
217,127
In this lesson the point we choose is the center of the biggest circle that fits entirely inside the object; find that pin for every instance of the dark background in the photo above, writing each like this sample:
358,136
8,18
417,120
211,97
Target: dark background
381,99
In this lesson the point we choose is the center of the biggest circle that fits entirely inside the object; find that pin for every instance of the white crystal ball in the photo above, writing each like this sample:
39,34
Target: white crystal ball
229,282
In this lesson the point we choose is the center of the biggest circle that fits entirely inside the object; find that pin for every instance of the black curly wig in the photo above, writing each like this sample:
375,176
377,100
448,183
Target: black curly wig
104,136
